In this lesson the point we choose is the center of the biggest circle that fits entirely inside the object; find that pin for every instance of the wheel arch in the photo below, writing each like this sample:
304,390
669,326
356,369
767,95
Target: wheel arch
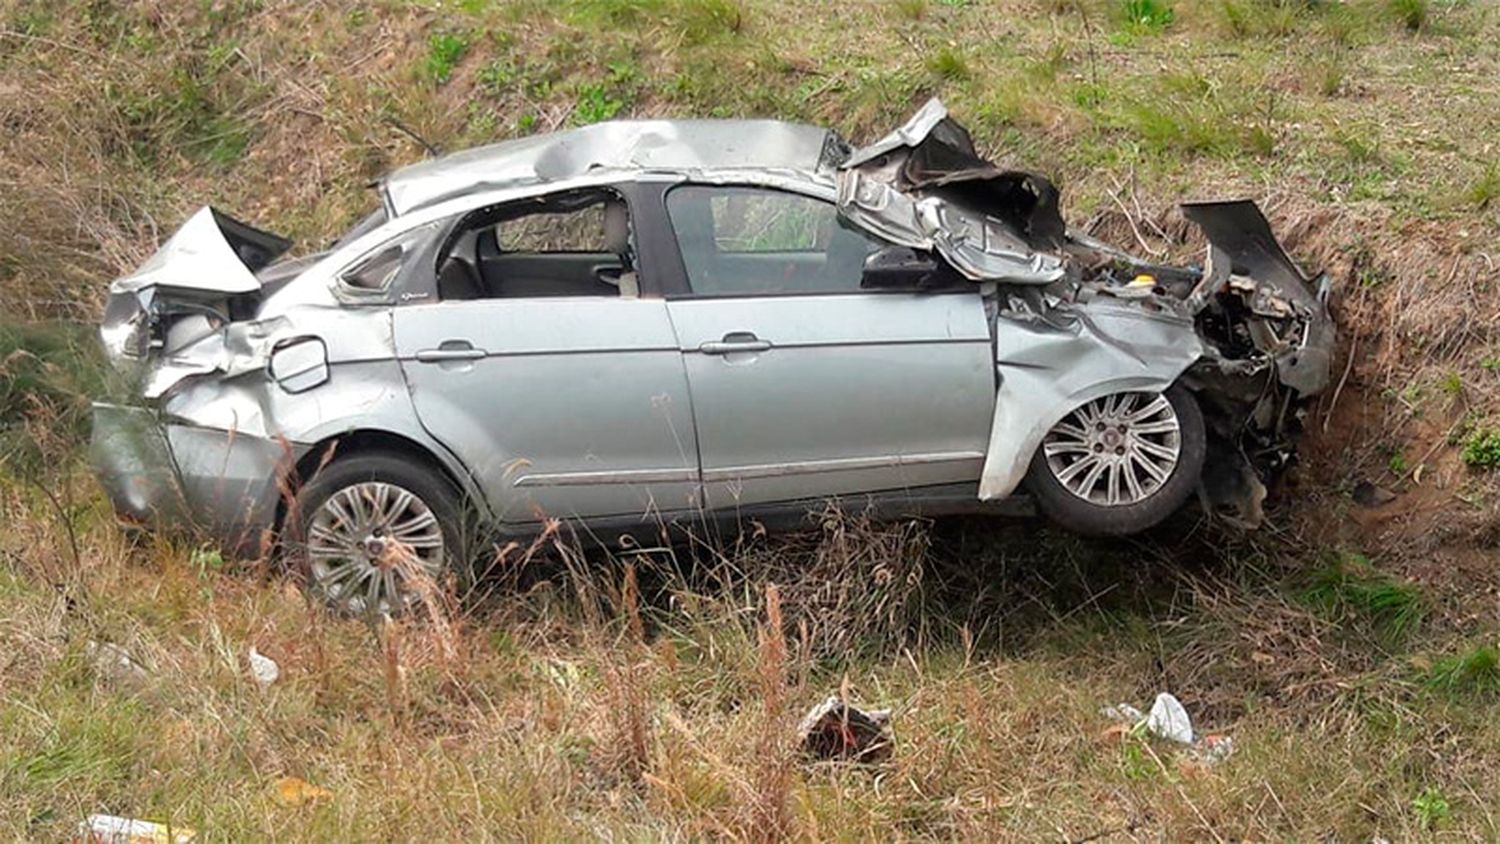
1019,429
364,441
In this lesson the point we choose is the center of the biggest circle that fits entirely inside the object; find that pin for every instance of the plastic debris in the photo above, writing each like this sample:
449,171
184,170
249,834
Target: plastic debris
263,668
294,791
836,730
114,663
1123,712
108,829
1211,750
1168,719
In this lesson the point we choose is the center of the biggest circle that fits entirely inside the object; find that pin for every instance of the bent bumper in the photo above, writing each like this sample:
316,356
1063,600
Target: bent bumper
222,484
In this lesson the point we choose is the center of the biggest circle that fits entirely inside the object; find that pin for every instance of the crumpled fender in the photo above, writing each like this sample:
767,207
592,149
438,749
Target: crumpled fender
1052,363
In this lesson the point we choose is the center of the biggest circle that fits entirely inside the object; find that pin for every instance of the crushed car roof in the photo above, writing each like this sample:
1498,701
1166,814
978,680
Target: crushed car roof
626,145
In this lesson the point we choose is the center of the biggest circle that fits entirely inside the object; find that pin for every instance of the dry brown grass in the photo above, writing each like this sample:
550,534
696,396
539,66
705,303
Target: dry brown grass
639,698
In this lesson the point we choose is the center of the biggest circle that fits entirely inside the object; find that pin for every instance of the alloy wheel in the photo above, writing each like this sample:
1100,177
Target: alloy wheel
367,543
1117,450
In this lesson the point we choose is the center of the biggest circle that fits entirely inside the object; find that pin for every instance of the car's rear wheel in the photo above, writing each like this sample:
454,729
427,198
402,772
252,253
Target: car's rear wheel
1121,463
375,531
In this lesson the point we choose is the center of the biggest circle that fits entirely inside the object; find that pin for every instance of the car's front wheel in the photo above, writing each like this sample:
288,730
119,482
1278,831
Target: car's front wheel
1121,463
375,530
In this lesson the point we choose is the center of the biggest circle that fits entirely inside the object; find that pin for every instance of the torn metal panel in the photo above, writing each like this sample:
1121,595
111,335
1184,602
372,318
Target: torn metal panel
981,247
205,270
221,481
933,156
211,252
1246,257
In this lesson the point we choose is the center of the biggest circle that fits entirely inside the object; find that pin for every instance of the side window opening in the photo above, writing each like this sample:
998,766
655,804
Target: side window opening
576,243
751,241
376,272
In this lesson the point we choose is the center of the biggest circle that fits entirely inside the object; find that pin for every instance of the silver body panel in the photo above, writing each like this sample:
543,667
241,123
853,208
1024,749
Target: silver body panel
575,408
853,393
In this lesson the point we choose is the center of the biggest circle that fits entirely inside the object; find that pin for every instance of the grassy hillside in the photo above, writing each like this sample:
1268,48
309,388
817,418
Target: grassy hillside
1352,652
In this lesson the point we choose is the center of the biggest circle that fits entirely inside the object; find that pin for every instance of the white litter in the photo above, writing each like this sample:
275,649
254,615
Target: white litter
108,829
1169,720
263,668
1124,713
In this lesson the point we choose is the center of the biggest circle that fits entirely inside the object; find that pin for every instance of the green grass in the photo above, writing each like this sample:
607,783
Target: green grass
444,50
912,10
693,21
1349,587
1365,140
1484,190
1147,15
1432,808
1473,671
561,716
949,65
594,105
1412,14
1481,448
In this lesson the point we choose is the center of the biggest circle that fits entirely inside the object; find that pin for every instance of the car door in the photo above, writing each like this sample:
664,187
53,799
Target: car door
804,384
561,390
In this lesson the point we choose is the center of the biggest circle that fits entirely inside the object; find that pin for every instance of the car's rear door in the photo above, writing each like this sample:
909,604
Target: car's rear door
560,390
805,385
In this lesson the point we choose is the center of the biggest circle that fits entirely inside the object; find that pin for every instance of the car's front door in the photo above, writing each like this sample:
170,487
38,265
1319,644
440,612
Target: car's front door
804,384
560,389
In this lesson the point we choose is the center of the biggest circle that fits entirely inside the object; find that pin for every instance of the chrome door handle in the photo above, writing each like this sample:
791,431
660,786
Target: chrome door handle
450,350
735,341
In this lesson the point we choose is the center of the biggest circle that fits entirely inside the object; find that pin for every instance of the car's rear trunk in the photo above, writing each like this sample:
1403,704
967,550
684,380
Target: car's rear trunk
202,278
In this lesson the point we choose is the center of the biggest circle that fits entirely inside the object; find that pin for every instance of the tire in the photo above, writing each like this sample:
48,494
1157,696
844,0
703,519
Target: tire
1124,496
373,531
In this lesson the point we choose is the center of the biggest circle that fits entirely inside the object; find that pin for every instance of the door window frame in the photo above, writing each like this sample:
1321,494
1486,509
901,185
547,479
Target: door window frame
681,287
642,203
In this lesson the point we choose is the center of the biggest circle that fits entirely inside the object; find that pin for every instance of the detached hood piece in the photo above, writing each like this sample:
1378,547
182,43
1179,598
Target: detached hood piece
925,186
932,153
1245,255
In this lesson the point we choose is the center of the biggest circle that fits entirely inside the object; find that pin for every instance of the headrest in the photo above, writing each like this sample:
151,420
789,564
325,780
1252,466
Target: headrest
617,228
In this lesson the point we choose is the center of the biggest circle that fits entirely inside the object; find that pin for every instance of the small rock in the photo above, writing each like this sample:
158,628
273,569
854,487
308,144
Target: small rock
114,663
1367,494
263,669
836,730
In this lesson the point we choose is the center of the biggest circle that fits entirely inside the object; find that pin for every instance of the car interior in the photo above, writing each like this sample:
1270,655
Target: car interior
743,241
569,244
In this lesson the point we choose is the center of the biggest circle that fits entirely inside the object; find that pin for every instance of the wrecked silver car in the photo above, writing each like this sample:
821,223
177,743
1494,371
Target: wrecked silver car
695,323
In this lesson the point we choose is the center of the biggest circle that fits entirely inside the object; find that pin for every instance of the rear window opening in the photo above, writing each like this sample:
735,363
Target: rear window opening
576,243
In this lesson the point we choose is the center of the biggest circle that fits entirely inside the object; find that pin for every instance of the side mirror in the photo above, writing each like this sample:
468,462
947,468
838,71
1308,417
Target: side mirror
897,268
300,364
